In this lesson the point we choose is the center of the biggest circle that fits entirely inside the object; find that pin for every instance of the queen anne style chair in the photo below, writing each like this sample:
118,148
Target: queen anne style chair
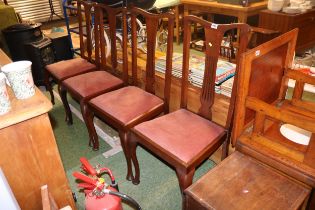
131,105
182,138
86,86
68,68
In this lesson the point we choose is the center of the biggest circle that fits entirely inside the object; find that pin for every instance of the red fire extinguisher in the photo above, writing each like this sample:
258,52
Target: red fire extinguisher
98,194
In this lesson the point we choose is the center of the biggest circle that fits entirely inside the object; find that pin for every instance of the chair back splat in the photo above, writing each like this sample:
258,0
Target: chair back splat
100,52
213,36
85,9
152,22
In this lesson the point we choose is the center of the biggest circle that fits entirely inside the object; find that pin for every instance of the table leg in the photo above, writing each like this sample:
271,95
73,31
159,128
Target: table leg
242,18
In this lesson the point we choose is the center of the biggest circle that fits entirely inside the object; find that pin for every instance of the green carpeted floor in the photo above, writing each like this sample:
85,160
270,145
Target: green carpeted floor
158,188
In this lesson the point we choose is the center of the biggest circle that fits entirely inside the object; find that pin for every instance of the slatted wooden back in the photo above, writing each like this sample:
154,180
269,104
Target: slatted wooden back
214,34
152,22
110,15
85,11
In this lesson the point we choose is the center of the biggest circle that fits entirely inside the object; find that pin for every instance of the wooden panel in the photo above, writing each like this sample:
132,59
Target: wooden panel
29,154
241,182
266,76
30,159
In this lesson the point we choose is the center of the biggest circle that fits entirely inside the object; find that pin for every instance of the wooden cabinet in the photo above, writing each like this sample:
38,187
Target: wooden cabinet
29,154
285,22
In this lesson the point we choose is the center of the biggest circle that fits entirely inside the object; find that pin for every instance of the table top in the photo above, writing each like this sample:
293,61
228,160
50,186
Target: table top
25,109
207,3
241,182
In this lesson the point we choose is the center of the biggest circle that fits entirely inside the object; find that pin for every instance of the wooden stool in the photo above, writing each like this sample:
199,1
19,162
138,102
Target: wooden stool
241,182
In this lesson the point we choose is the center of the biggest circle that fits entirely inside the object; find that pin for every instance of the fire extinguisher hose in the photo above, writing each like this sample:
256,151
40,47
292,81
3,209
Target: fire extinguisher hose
125,197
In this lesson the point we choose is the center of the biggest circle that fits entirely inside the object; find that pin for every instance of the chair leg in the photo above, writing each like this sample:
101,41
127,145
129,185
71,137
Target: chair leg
185,177
88,117
48,87
63,94
124,144
225,147
133,153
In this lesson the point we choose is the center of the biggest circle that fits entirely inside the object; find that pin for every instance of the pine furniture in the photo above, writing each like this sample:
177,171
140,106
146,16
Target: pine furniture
266,109
29,154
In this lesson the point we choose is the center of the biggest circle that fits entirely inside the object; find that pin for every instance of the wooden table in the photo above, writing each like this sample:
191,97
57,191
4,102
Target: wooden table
241,182
29,153
213,7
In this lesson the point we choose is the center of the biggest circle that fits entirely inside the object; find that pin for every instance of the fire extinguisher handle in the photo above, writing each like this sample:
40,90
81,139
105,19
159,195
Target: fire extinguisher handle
85,178
87,166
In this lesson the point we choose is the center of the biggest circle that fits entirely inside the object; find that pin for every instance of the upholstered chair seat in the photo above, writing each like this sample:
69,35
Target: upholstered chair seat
92,83
182,134
127,104
69,68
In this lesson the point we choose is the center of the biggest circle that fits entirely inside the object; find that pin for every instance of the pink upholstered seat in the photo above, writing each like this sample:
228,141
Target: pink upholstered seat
127,104
69,68
182,134
92,83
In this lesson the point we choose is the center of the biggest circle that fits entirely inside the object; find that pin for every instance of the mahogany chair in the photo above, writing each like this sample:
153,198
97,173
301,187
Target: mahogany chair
262,110
68,68
182,138
89,85
131,105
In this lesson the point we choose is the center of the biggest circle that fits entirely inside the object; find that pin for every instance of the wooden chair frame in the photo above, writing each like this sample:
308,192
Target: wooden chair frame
123,129
101,63
86,50
213,33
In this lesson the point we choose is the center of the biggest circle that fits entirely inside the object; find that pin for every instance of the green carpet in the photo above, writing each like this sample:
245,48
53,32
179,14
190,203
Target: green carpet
158,188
